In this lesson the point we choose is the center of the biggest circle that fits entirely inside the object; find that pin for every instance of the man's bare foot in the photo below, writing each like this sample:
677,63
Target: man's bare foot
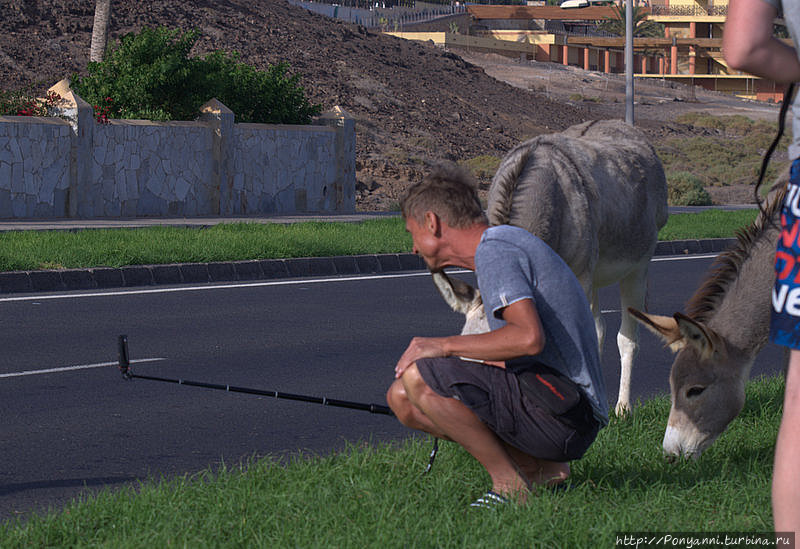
538,471
551,473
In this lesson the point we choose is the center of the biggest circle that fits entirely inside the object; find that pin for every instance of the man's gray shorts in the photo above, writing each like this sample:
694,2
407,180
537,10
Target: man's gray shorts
516,411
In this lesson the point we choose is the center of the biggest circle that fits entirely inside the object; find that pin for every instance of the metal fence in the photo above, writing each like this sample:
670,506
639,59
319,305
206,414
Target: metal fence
381,14
576,29
661,9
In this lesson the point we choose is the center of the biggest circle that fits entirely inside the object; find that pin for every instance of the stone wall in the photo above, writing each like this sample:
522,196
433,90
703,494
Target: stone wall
73,166
34,166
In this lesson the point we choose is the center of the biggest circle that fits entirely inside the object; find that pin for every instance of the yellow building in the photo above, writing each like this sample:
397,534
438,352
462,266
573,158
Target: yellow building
690,51
700,24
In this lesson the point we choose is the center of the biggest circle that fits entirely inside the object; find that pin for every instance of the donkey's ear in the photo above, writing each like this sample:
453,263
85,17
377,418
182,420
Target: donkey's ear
458,294
666,327
696,334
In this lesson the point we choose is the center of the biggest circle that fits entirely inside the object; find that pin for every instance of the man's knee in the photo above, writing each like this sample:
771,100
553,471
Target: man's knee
400,391
413,383
396,395
398,402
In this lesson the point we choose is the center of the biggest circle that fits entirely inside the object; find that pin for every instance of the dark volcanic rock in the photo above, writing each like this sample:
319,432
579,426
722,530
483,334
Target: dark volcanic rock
413,103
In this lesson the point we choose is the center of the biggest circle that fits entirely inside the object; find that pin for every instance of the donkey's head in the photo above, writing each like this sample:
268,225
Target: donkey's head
706,382
465,299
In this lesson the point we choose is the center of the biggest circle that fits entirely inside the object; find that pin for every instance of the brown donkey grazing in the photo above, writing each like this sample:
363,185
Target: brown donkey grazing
725,326
596,194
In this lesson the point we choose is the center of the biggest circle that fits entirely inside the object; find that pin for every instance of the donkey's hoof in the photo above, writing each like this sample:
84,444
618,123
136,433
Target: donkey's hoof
622,410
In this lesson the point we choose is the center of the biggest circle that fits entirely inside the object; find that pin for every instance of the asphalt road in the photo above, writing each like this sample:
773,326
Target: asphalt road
81,428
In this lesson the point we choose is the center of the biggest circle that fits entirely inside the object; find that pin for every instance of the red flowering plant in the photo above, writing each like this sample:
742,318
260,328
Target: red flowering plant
23,103
102,112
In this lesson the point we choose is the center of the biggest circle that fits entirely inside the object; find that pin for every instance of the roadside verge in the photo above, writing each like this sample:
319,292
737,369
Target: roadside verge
260,269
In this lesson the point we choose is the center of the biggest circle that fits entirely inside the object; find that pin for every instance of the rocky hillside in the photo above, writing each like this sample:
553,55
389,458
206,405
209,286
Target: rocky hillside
413,103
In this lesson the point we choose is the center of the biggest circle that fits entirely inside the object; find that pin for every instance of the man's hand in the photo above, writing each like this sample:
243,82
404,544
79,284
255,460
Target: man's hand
420,347
521,336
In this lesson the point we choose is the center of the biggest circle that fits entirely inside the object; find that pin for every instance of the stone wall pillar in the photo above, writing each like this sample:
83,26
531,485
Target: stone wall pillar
81,196
342,198
220,118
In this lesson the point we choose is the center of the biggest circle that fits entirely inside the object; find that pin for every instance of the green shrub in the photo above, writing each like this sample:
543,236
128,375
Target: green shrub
685,189
732,155
483,167
739,124
151,76
701,119
731,125
257,96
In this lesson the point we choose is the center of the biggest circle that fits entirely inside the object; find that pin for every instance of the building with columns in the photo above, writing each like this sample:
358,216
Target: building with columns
690,51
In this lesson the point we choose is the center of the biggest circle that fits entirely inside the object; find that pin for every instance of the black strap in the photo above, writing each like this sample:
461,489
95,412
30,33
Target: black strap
787,99
434,451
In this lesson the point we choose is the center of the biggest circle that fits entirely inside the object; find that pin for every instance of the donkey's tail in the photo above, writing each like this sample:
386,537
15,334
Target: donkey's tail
504,183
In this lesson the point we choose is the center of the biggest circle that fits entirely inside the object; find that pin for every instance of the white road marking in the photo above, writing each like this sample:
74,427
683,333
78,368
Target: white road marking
38,298
216,287
684,257
293,282
71,368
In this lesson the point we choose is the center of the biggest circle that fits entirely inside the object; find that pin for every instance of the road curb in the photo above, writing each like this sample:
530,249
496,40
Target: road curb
685,247
259,269
200,273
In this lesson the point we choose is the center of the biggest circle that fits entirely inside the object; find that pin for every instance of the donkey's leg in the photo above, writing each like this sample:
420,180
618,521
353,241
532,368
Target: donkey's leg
590,289
599,323
633,288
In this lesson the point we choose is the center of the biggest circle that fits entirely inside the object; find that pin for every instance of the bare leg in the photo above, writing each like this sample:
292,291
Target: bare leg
408,414
785,483
450,419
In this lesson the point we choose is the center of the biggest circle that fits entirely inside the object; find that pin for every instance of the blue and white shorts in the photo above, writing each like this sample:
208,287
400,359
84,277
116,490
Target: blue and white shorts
785,323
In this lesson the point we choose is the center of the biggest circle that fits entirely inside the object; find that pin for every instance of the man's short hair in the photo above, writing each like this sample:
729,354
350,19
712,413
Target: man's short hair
449,192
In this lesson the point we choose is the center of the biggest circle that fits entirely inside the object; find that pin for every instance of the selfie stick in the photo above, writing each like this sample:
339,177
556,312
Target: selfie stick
125,368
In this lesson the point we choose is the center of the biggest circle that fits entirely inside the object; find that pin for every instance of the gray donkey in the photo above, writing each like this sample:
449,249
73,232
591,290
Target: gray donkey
716,341
596,194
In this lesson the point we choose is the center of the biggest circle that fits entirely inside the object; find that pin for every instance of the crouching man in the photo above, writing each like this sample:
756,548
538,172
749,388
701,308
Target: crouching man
530,396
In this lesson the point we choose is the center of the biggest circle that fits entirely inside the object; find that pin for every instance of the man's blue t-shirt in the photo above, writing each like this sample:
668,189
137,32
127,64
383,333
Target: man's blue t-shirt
512,264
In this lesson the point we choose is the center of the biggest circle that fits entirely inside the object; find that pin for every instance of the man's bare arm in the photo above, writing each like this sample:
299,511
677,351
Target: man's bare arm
521,336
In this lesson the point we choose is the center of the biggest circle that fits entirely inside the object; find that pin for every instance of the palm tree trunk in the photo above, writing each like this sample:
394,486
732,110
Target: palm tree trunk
102,16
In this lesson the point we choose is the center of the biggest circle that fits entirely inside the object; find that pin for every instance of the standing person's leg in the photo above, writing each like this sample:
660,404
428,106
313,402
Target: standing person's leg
448,418
785,479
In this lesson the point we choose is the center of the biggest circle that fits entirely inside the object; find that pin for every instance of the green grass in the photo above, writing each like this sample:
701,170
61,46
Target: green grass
375,496
25,250
31,250
706,224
